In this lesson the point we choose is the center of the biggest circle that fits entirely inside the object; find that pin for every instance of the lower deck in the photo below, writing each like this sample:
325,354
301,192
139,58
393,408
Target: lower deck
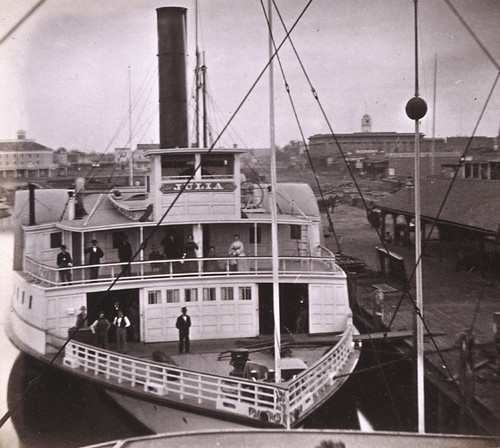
214,355
211,380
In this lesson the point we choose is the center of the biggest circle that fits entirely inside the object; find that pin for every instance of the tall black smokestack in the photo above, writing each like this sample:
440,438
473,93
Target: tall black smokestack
172,77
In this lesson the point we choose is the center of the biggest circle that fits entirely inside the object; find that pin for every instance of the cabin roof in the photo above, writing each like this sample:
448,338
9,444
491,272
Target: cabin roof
471,203
293,198
294,202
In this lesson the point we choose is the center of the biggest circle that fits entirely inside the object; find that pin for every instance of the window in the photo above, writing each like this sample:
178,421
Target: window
177,165
251,235
191,295
55,240
217,165
172,295
154,297
208,294
295,232
30,302
227,293
22,300
245,293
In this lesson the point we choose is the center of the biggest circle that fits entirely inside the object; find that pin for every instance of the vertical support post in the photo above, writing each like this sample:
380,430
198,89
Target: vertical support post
496,333
466,378
274,213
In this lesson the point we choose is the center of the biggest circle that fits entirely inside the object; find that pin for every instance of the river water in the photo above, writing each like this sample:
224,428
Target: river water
62,411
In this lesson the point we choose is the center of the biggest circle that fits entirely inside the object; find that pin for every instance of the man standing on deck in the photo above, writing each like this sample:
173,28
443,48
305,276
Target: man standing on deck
183,323
95,255
64,260
100,327
122,323
125,254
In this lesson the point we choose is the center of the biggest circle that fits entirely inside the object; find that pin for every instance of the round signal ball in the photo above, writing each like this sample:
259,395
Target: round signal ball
416,108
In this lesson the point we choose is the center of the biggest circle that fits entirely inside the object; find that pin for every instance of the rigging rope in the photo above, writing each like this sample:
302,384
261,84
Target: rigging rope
22,395
23,19
379,364
292,103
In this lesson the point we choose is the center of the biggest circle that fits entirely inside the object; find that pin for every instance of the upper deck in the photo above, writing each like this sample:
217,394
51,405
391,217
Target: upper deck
258,268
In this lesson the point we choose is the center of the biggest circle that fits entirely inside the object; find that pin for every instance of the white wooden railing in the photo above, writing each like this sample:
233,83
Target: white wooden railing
281,404
198,267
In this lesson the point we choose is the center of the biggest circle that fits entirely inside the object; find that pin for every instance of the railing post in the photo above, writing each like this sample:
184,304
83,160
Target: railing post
134,375
120,370
286,410
200,400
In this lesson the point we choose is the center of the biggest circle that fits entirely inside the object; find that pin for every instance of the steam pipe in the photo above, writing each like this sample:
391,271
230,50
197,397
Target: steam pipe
31,188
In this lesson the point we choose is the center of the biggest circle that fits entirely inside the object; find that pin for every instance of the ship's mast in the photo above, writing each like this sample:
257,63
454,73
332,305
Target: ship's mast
274,212
131,159
416,109
200,73
197,80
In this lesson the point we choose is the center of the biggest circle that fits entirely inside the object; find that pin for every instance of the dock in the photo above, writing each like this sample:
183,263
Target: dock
457,302
459,309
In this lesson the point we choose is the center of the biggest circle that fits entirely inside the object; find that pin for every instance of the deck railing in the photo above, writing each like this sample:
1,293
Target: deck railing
197,267
281,404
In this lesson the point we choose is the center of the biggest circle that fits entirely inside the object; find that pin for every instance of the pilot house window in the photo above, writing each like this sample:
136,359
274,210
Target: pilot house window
217,165
177,165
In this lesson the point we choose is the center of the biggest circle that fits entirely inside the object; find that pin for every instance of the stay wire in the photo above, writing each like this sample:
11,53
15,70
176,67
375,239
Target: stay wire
335,139
474,36
448,191
23,19
379,363
425,241
143,245
418,312
294,110
47,366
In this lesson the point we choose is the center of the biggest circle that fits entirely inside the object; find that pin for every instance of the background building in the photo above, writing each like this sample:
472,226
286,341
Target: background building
391,154
24,158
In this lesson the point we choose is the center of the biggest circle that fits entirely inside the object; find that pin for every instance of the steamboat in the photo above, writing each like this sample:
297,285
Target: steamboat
272,336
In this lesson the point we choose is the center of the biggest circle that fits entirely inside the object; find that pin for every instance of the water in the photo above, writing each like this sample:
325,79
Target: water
63,411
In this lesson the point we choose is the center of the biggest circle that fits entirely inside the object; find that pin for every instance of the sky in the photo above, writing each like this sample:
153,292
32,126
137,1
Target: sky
67,71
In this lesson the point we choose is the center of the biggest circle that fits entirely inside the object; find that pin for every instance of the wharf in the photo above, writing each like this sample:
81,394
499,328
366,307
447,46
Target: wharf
455,301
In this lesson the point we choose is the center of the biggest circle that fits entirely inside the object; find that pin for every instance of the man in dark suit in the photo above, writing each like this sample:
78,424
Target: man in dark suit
183,323
64,260
125,254
95,255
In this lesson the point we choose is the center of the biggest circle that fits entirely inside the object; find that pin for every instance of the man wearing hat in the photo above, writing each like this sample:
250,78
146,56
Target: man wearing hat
95,255
81,319
64,260
183,323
